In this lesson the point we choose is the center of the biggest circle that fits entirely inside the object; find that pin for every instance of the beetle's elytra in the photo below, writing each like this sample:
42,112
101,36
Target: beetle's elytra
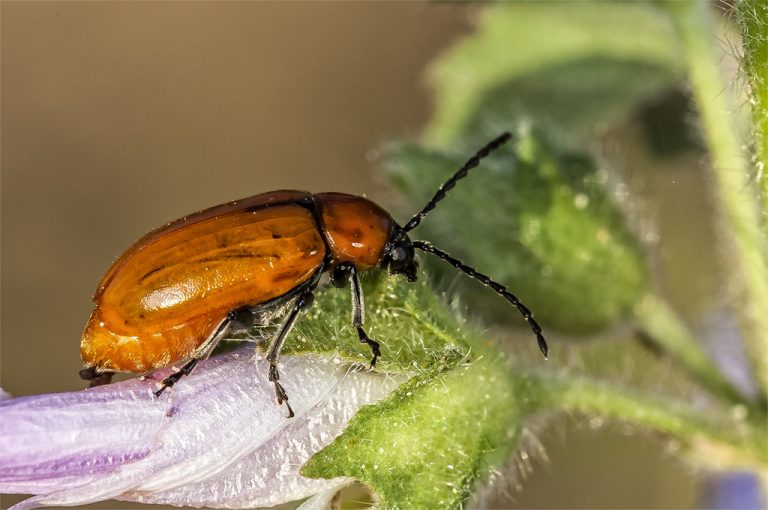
173,295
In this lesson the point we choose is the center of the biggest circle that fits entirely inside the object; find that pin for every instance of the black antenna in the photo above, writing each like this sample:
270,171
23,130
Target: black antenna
497,287
450,183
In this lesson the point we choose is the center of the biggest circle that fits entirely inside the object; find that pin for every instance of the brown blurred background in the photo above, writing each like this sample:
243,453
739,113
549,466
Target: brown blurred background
117,117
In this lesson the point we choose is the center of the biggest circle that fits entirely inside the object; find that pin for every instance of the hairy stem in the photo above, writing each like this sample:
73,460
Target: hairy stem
662,325
738,199
753,17
722,441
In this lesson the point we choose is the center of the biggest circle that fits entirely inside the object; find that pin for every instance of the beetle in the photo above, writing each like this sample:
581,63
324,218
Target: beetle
176,292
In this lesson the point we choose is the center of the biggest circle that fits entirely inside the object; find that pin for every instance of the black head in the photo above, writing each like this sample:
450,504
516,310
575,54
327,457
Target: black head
399,257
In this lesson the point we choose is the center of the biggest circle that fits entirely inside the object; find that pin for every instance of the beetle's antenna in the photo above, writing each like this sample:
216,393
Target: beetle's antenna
497,287
450,183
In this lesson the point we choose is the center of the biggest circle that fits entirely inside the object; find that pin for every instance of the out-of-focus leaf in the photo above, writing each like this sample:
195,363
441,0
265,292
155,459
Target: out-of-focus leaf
576,65
537,219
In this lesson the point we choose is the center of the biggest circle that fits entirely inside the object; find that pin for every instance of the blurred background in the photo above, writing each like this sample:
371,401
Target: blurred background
118,117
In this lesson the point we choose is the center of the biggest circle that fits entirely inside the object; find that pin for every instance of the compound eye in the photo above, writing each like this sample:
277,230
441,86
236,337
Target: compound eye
399,255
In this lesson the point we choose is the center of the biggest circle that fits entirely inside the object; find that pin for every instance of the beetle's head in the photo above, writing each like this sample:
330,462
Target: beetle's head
398,256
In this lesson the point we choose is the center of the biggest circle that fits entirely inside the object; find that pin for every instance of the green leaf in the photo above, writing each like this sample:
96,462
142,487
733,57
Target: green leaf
574,65
453,420
538,220
415,330
429,444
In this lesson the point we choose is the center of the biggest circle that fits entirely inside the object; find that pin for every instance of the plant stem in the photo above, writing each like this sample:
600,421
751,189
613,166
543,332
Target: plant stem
738,199
753,17
717,441
664,327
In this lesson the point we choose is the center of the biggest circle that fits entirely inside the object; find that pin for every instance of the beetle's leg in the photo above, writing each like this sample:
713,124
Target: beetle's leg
174,377
340,275
302,302
200,353
358,315
243,321
95,377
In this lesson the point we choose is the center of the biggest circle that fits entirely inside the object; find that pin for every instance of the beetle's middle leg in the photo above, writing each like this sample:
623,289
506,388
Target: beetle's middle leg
340,276
302,302
200,353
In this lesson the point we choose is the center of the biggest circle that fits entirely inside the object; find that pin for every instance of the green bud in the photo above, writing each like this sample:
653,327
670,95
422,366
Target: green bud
538,220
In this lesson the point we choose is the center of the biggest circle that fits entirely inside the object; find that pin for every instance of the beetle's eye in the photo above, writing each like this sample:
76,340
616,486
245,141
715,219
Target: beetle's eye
399,254
400,257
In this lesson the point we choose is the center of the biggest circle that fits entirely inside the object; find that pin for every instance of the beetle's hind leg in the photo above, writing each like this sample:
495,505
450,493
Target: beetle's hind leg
200,353
340,276
302,302
96,377
373,344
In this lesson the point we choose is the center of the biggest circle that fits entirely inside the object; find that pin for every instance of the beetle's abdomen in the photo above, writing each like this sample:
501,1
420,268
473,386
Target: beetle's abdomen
166,295
139,352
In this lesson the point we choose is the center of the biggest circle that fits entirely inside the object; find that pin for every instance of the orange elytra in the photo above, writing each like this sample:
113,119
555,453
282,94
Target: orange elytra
174,294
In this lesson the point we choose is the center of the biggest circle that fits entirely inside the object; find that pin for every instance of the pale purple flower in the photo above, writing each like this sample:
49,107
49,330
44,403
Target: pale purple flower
218,439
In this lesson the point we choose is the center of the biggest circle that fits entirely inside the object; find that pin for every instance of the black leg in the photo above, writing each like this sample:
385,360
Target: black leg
495,286
358,314
96,377
302,302
374,345
201,353
172,379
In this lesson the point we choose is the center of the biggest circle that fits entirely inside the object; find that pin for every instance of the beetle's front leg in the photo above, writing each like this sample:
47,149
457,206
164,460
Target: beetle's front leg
340,276
302,302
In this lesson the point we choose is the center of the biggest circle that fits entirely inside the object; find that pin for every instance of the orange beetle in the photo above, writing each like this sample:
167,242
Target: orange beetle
175,293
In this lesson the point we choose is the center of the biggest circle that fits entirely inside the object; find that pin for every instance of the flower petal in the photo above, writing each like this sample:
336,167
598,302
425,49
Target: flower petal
217,440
